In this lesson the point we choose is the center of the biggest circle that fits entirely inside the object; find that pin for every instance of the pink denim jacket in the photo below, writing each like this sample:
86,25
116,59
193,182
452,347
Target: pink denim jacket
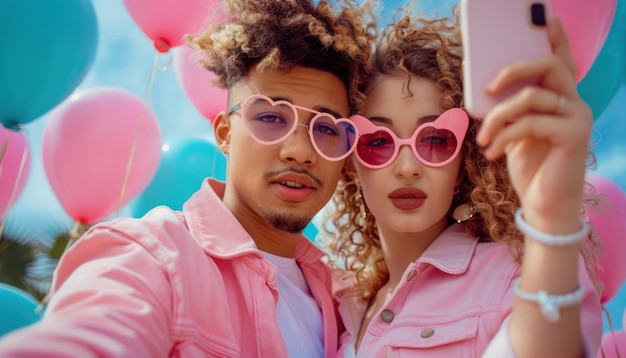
452,302
190,284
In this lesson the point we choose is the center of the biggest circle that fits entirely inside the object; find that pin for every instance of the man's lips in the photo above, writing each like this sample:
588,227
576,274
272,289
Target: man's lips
407,198
295,180
293,187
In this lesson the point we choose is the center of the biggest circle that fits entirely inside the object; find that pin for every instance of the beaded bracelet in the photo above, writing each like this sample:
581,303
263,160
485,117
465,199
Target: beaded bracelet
548,239
550,304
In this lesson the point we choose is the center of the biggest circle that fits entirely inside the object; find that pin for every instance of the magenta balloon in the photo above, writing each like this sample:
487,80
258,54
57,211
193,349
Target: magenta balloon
587,23
610,224
196,81
89,142
14,167
165,22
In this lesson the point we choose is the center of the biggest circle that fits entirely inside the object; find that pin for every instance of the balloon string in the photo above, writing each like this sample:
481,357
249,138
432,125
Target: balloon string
611,332
73,235
2,152
129,164
5,145
76,233
17,181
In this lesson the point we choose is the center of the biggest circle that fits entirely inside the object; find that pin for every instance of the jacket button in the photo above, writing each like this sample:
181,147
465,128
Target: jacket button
428,332
411,275
387,315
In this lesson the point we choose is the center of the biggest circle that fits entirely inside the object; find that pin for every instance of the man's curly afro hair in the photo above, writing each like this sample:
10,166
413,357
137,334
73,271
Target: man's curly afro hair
281,34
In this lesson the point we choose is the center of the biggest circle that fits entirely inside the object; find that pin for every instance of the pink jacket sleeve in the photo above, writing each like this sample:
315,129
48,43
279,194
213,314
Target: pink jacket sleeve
111,297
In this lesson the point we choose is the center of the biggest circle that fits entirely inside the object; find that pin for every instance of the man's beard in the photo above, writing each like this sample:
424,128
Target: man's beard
288,223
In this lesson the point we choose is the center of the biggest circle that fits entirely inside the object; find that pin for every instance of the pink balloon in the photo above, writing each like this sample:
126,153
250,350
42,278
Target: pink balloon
196,81
165,22
14,167
90,141
587,23
610,224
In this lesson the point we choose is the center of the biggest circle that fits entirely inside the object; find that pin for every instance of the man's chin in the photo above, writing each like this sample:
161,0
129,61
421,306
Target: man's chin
288,223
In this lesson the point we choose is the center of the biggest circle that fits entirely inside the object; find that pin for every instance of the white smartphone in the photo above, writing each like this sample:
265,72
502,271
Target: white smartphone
496,33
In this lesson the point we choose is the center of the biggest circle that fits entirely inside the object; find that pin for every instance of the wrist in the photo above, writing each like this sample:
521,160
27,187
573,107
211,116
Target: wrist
549,304
556,234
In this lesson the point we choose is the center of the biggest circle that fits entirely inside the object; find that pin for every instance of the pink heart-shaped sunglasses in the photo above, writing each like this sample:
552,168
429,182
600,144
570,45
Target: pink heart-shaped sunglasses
434,143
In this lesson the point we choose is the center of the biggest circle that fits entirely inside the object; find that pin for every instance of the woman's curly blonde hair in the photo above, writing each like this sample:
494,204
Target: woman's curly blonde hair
278,35
432,50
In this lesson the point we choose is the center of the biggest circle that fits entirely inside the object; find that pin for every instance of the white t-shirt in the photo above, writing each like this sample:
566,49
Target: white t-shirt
299,317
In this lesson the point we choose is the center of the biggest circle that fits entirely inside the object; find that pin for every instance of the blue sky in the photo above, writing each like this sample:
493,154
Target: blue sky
124,59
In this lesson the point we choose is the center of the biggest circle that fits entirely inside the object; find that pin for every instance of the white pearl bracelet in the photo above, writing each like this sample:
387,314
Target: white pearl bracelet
550,304
548,239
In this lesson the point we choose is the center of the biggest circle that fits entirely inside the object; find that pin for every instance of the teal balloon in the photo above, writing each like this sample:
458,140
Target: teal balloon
608,72
184,164
17,309
310,232
47,48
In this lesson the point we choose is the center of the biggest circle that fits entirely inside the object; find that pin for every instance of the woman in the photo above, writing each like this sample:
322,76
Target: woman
426,212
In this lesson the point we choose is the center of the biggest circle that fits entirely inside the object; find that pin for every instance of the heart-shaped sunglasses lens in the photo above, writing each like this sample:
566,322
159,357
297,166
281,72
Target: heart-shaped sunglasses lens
271,121
433,143
333,138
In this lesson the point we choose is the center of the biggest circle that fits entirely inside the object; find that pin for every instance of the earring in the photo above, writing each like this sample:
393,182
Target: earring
463,212
358,201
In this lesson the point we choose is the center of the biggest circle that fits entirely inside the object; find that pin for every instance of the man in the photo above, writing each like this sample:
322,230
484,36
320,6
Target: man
231,275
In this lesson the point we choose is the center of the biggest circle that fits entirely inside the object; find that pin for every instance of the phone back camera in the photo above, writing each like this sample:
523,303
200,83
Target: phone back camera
538,14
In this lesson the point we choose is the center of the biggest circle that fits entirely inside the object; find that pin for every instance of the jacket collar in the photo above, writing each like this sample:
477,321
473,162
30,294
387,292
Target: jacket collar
217,230
452,252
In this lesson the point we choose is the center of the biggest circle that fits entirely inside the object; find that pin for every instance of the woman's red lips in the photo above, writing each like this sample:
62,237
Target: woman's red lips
407,198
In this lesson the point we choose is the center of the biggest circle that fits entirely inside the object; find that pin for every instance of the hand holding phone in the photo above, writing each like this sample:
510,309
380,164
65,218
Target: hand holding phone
495,34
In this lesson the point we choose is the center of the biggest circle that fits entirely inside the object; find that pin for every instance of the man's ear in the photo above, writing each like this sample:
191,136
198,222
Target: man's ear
221,129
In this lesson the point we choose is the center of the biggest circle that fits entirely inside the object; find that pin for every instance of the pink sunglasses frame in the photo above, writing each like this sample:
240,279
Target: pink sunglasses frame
242,105
455,120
